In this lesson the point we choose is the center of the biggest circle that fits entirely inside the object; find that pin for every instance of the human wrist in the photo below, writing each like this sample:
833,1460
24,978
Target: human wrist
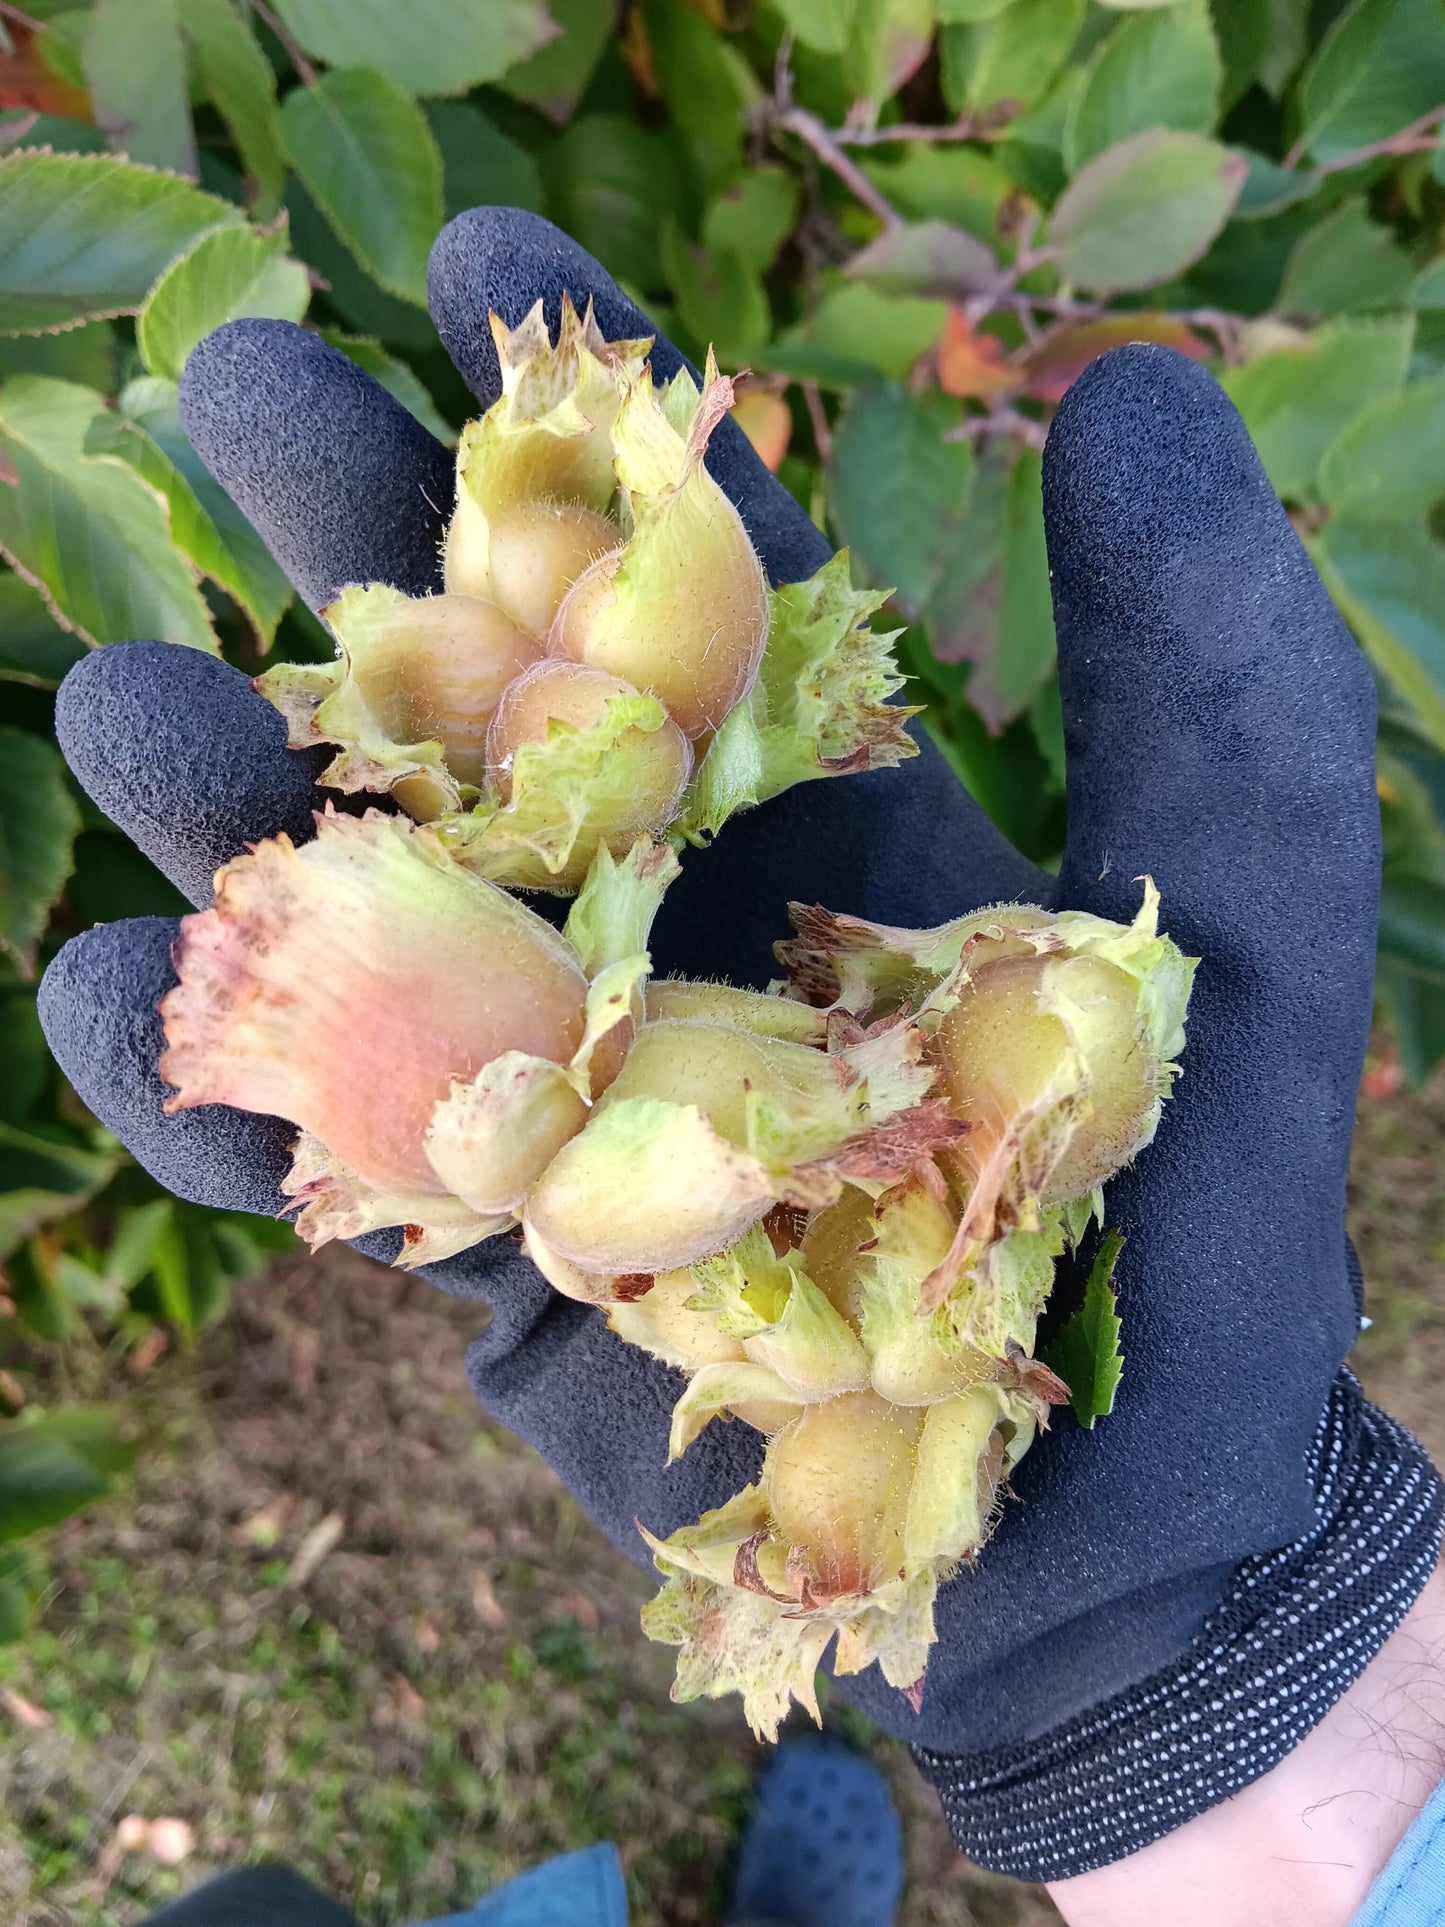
1302,1845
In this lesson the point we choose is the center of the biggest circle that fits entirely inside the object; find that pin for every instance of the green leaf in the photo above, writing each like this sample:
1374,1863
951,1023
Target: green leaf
39,823
85,354
942,183
1289,39
368,159
899,492
1269,188
611,184
1014,56
1412,923
926,258
719,297
1242,31
43,1177
23,1053
991,606
1346,262
1415,1007
83,236
85,529
1085,1353
21,1583
706,86
1388,464
227,274
1388,581
554,78
1141,212
823,25
206,525
753,218
1380,66
241,84
33,649
481,166
135,70
858,325
1156,69
1295,401
425,46
54,1463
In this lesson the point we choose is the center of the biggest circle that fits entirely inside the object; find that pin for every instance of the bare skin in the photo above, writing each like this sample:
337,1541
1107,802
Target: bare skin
1302,1846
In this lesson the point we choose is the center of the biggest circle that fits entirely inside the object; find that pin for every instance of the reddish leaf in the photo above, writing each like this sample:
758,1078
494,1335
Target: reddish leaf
1063,355
27,82
767,422
973,365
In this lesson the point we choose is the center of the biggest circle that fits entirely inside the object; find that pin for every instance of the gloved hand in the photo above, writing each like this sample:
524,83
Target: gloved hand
1175,1597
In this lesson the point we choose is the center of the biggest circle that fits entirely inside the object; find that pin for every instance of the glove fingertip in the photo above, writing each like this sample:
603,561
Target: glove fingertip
180,751
343,482
503,260
98,1009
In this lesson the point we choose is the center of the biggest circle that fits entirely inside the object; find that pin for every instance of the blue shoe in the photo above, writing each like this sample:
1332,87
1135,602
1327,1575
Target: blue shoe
825,1848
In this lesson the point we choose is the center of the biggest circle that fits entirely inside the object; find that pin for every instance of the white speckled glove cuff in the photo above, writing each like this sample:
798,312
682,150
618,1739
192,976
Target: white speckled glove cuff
1296,1628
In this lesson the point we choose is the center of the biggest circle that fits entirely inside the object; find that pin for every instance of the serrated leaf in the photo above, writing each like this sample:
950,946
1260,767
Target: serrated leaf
83,236
899,492
135,69
229,273
1380,66
1295,401
1388,464
1015,56
1389,584
719,297
366,155
85,529
241,84
926,258
553,79
206,525
1160,68
34,649
481,166
1144,210
39,823
425,46
1344,263
854,328
753,217
1086,1353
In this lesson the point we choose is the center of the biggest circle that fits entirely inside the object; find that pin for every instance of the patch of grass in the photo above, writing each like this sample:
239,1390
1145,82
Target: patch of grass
459,1690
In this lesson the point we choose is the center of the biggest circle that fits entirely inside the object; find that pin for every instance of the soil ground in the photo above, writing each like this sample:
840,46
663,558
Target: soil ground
457,1687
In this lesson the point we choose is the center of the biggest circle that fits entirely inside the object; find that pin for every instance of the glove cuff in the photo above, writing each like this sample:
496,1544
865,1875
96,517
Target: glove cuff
1295,1629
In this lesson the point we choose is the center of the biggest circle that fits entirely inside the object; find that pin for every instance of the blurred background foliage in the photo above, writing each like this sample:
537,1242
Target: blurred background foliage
915,221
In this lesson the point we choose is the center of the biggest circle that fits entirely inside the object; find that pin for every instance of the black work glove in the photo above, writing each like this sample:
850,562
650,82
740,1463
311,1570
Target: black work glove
1177,1595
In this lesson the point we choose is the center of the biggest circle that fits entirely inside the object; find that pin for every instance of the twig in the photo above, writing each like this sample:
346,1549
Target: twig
305,72
822,433
999,422
813,134
1406,141
20,17
966,129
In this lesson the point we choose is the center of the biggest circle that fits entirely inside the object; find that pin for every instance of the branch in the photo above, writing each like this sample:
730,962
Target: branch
965,129
824,143
1406,141
305,72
